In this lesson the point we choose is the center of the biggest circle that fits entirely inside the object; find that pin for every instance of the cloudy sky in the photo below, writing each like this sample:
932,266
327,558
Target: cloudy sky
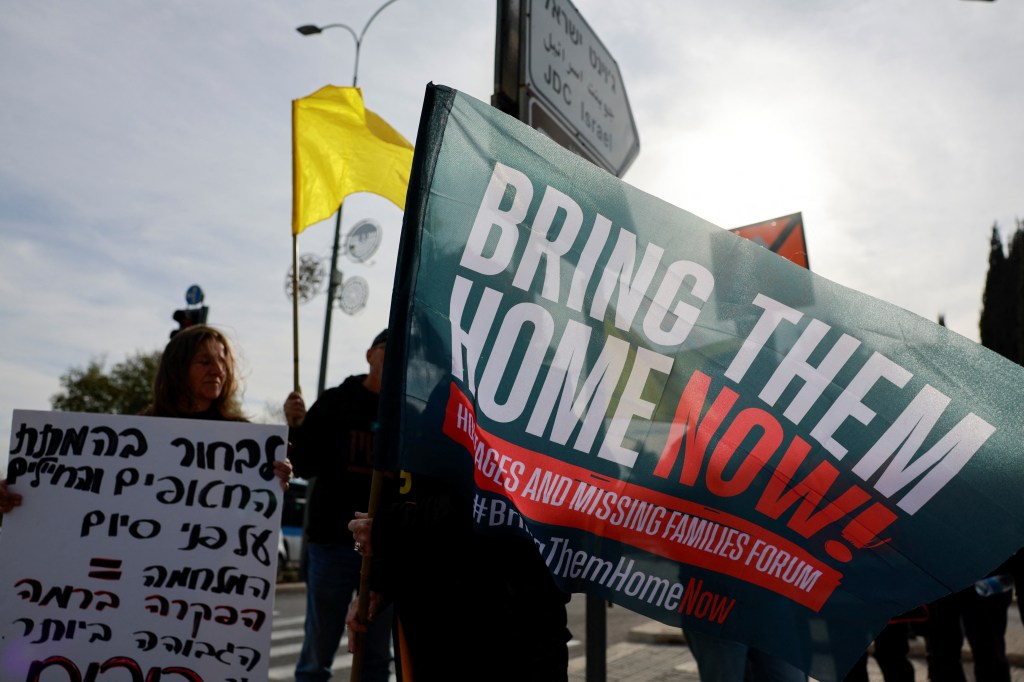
145,147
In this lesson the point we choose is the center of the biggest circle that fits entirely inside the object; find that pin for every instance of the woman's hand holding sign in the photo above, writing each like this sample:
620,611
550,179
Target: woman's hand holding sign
8,500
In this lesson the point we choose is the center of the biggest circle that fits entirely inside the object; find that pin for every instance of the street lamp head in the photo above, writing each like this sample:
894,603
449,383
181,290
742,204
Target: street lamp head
309,30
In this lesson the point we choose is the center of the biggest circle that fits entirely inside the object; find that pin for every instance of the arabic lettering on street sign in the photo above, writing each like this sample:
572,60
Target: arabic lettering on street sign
571,71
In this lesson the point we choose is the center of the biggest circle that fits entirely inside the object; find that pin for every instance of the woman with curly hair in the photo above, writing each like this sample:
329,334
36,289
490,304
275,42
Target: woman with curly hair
196,379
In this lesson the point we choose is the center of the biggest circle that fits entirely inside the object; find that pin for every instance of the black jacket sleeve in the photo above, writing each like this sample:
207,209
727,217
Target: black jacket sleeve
311,439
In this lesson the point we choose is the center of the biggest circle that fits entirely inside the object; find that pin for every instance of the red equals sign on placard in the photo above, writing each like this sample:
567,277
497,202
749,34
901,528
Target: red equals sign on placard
105,569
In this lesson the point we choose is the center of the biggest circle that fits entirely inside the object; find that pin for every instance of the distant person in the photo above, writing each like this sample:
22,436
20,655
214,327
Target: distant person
1015,565
891,649
196,379
332,443
983,620
723,660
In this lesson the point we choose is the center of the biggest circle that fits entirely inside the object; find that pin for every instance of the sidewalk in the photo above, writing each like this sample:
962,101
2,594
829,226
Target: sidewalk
658,653
655,652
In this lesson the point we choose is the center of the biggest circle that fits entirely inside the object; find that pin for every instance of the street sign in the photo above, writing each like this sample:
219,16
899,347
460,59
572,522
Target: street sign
569,70
785,237
541,118
194,295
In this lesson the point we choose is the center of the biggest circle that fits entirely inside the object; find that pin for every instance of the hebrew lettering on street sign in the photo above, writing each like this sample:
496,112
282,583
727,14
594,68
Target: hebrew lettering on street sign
578,83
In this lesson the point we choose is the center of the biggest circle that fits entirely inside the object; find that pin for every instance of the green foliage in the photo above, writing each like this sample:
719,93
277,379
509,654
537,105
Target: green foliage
126,389
1002,315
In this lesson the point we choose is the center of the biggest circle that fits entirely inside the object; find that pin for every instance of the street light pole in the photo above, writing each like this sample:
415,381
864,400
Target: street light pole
334,278
310,29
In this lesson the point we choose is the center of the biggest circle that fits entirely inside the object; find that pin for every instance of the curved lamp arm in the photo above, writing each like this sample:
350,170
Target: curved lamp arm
310,29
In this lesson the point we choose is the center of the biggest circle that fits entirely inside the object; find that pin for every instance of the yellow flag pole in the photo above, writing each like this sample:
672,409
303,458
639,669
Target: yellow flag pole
295,311
295,253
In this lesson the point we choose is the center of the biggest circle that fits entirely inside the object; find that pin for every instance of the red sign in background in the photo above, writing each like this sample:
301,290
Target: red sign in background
784,236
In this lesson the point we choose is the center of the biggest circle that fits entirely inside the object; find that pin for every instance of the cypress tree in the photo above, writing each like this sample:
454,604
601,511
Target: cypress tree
1002,313
1014,305
993,324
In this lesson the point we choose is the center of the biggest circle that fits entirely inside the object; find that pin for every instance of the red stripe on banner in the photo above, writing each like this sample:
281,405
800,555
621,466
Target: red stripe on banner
550,491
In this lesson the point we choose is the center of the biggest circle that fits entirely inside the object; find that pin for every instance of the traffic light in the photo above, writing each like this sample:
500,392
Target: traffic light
188,317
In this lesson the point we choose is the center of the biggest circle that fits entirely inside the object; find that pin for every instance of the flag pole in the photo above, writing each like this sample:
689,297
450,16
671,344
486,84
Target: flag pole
363,603
332,290
295,312
376,482
295,255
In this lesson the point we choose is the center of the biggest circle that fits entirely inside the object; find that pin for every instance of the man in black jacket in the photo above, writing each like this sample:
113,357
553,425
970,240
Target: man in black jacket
333,444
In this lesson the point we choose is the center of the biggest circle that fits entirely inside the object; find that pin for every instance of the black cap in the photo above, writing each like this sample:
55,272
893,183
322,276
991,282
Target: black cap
379,339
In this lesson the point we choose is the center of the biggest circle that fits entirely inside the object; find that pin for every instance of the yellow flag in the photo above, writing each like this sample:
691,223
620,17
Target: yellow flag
339,147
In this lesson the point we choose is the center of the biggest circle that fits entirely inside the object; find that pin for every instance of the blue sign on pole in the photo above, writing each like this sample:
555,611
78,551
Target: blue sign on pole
194,295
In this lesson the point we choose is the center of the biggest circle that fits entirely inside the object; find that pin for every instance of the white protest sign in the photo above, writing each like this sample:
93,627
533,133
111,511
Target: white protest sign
143,544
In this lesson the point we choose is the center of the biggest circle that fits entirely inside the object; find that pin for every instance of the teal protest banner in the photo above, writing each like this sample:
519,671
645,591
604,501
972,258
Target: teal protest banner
686,424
